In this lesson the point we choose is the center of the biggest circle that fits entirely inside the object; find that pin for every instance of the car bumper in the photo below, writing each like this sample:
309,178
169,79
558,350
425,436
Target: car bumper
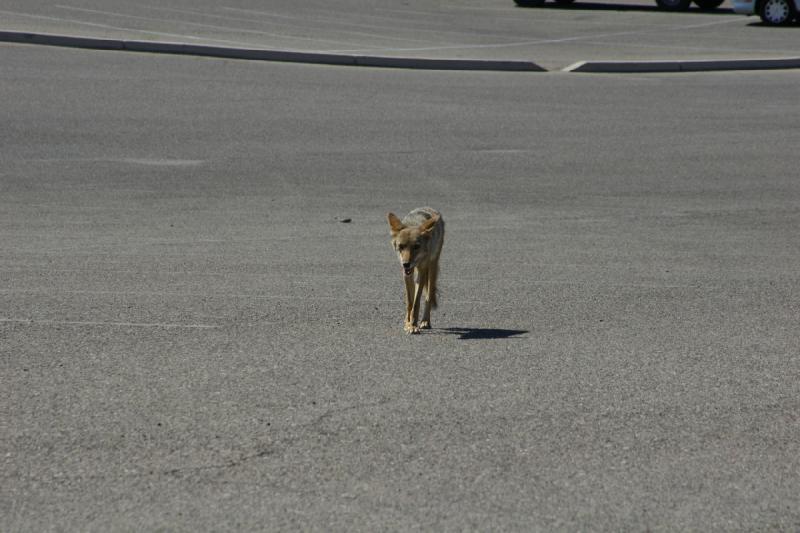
745,7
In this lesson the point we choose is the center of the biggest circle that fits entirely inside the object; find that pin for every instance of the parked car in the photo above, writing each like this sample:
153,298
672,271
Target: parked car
772,12
669,5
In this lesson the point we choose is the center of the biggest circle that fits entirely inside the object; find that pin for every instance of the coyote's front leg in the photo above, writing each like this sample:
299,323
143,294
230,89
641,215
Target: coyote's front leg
410,322
419,285
430,294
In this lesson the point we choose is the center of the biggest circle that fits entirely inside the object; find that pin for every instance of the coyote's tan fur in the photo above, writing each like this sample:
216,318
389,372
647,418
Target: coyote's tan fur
418,239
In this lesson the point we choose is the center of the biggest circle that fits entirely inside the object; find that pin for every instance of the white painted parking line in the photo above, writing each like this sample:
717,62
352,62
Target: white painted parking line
202,26
560,40
122,28
326,22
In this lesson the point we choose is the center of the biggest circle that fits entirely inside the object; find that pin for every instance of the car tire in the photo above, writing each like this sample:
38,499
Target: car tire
529,3
674,5
706,5
776,12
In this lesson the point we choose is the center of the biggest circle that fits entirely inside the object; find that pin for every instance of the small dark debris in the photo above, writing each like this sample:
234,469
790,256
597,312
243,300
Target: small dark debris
345,220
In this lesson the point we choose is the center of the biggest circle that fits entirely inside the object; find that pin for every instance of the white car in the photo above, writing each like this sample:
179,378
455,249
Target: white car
772,12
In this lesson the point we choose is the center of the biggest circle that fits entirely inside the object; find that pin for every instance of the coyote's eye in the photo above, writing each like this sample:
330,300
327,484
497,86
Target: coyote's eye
415,247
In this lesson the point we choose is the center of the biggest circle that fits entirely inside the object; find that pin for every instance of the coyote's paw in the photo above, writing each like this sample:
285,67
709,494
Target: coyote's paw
425,324
411,329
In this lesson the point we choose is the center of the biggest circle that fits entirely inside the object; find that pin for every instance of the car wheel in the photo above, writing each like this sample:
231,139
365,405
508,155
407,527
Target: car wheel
708,4
674,5
529,3
776,12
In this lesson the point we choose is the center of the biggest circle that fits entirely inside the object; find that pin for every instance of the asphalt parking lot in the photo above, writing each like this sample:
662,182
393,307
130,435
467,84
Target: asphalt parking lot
201,316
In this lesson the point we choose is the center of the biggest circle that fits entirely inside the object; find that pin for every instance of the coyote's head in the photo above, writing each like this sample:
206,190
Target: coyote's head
412,243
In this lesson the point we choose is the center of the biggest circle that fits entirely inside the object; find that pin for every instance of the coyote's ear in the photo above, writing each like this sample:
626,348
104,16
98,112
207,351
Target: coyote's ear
394,223
426,227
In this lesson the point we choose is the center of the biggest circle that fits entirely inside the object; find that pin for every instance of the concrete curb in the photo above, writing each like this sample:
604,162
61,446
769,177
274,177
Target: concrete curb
266,55
318,58
621,67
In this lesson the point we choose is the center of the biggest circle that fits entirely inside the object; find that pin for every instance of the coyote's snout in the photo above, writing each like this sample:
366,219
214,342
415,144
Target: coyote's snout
418,239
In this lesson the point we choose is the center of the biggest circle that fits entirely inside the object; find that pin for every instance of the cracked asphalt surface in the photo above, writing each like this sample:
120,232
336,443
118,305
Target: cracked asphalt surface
192,340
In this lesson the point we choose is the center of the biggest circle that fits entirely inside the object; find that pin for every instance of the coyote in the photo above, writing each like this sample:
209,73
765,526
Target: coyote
418,240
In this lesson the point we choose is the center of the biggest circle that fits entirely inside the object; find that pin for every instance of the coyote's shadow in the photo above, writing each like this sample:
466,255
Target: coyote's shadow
483,333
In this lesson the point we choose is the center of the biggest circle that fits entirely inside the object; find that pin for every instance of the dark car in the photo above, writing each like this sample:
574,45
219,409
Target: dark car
669,5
